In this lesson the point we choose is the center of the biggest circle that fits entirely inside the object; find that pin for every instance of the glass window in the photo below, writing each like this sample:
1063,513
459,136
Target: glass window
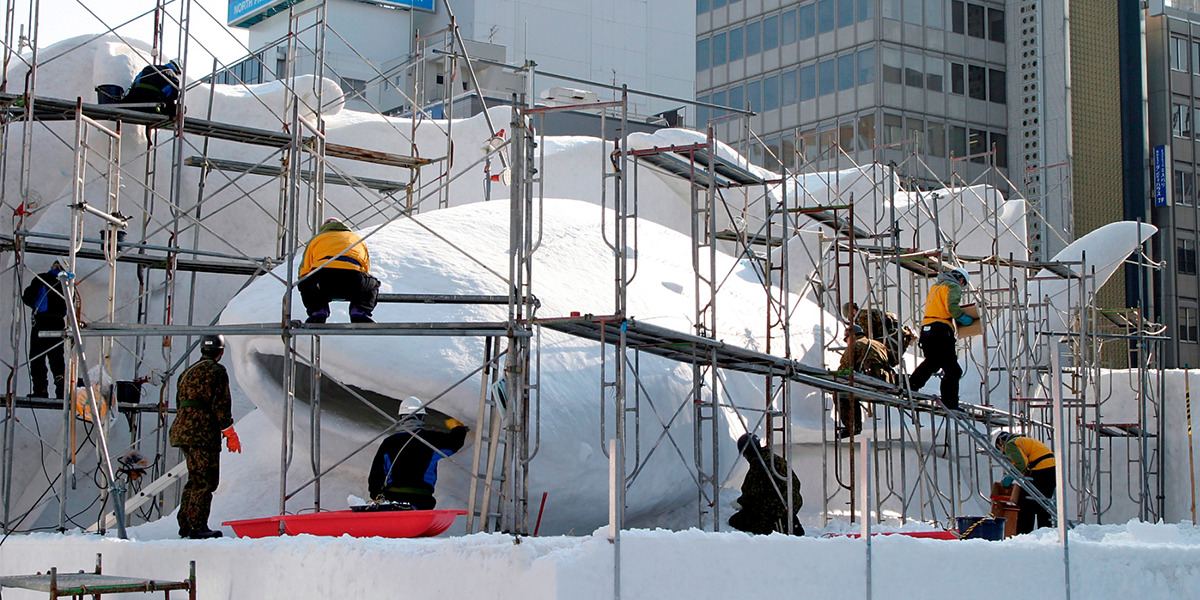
787,23
914,129
1188,330
737,98
914,71
865,10
827,72
976,82
718,3
771,33
935,14
772,157
753,38
718,50
719,99
702,112
957,85
808,21
756,155
912,11
995,25
808,82
935,139
958,140
958,17
1185,188
827,140
808,144
1181,120
787,92
891,65
977,144
703,6
999,141
735,44
935,72
846,74
787,152
845,13
825,16
1185,256
846,136
866,132
1196,57
771,92
890,9
702,54
997,91
975,21
754,94
1177,54
893,129
866,66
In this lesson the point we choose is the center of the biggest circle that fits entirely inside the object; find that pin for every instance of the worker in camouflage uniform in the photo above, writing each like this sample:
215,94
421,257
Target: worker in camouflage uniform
763,509
204,415
869,357
881,325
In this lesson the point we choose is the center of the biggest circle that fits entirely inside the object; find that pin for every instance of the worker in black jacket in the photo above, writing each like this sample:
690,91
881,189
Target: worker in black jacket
45,296
405,467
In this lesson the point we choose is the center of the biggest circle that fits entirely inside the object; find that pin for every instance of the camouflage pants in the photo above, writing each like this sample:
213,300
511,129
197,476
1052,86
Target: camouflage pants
204,473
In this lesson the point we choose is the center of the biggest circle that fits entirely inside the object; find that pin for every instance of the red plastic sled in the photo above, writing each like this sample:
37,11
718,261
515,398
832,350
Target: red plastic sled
933,535
390,524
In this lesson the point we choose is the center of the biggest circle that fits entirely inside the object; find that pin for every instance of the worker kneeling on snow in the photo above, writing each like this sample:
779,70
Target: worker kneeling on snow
405,467
763,490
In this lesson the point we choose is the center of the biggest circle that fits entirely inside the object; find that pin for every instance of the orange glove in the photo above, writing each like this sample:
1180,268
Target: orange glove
231,440
452,423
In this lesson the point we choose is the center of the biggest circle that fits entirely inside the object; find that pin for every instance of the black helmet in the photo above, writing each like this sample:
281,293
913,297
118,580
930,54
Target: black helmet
858,331
212,345
748,440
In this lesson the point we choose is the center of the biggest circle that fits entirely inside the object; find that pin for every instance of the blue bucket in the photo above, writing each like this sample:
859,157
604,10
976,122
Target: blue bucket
109,93
989,528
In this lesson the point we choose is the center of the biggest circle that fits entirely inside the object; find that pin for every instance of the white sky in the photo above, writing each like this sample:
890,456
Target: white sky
62,19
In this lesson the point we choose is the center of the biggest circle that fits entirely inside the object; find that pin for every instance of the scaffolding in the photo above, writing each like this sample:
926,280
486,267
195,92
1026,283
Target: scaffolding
927,463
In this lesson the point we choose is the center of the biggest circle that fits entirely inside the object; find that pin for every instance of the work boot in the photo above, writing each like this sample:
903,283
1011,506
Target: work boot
358,316
39,393
318,316
199,534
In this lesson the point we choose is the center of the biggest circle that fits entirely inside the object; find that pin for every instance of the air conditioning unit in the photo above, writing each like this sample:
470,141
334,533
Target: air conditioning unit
563,96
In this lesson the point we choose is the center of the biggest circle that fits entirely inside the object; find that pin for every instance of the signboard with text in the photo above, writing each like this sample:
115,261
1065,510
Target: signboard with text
244,13
1161,197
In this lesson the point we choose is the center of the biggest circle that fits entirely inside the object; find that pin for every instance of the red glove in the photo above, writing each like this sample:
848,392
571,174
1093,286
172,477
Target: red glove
231,440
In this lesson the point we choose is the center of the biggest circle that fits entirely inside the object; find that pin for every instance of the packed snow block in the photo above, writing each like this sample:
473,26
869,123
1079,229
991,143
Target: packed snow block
975,328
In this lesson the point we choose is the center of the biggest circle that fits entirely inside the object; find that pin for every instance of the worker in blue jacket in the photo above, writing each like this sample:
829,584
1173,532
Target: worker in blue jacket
405,466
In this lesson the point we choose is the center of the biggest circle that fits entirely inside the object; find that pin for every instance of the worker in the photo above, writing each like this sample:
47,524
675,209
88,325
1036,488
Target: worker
938,335
1035,461
45,296
762,507
156,84
203,416
862,355
337,267
883,326
405,466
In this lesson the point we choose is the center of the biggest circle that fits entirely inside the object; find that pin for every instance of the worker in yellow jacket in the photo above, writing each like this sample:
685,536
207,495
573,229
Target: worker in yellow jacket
938,336
337,267
1035,461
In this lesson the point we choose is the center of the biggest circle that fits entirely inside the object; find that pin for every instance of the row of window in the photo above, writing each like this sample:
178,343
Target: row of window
933,138
1185,256
1179,49
917,70
977,21
778,30
1184,187
1183,118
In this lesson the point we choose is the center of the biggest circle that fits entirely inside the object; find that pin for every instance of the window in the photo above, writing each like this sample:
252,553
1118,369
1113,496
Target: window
846,74
827,140
754,94
718,50
845,13
891,65
1177,52
718,3
702,112
935,72
976,79
936,139
866,132
864,10
787,83
957,84
935,14
703,54
737,99
827,72
958,140
703,6
771,33
914,129
1184,188
772,155
1196,57
753,38
788,24
1181,120
808,144
808,21
977,145
354,88
846,136
996,86
825,16
999,141
866,66
1185,256
736,47
893,128
787,152
771,92
890,9
912,11
995,25
719,99
808,82
958,17
1188,331
914,71
975,21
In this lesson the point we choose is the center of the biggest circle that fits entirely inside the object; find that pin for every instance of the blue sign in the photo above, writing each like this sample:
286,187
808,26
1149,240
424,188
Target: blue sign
244,13
1160,176
421,4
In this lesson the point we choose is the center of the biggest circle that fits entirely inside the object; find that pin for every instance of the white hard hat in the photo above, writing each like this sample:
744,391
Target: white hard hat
962,274
412,406
1000,437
